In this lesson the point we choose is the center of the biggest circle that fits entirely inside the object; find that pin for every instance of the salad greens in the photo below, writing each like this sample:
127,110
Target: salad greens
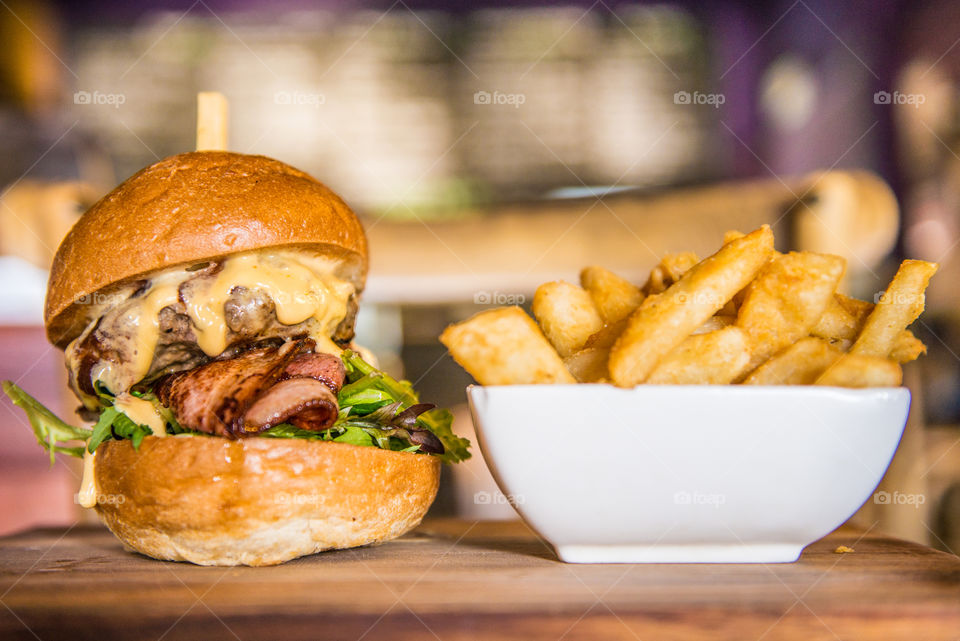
363,377
375,411
48,428
115,424
380,411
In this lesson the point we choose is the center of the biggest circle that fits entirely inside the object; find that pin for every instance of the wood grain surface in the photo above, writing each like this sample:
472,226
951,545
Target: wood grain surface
453,580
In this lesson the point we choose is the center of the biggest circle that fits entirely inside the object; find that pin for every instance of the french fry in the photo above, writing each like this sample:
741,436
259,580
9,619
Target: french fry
731,235
566,314
661,323
901,304
607,336
504,347
858,309
746,313
676,265
614,297
589,365
715,322
786,300
860,370
668,271
836,323
800,364
713,358
907,347
730,309
843,319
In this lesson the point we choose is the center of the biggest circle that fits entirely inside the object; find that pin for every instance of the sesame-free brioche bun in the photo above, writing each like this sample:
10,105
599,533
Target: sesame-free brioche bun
191,208
257,501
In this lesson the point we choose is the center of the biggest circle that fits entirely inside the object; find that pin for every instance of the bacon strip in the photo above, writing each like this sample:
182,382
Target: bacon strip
304,402
326,368
257,389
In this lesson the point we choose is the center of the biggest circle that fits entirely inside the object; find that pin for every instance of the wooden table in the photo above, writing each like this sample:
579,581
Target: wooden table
456,580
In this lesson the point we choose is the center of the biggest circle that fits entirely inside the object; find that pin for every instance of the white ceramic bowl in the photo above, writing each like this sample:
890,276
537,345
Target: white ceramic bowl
686,473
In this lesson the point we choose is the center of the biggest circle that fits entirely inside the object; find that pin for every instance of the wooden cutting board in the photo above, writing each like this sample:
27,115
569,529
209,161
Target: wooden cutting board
455,580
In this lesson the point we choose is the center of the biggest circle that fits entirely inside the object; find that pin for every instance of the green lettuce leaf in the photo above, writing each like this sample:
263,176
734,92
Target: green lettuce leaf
354,436
285,430
115,424
354,432
365,380
48,428
51,431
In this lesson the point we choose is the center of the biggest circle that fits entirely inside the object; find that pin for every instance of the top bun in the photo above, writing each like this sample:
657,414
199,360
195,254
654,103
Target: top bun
190,208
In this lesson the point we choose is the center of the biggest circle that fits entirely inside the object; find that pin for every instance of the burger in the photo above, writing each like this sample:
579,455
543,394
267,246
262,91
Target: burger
206,311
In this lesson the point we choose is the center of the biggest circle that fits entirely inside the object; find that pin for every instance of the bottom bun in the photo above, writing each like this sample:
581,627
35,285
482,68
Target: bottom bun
258,501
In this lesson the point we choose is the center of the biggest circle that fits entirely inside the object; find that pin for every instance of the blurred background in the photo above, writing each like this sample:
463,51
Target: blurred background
490,147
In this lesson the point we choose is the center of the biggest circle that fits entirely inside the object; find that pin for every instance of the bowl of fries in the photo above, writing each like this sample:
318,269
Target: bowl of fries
731,409
686,473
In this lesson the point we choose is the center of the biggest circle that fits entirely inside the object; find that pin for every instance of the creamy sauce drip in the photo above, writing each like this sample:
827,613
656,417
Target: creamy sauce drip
301,287
142,412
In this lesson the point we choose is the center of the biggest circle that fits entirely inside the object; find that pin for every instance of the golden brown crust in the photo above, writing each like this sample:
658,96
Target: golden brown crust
258,501
193,207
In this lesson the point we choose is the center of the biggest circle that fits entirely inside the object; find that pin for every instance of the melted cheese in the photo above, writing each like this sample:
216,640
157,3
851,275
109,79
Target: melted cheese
141,412
298,293
301,287
144,318
87,496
